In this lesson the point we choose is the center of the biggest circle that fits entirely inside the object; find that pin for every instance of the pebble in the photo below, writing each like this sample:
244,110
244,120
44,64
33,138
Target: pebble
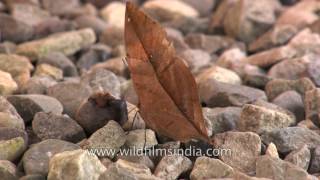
8,170
135,120
166,11
57,126
60,7
311,105
67,43
33,177
70,94
204,7
48,70
248,20
221,119
210,168
278,86
28,105
28,13
93,115
300,157
291,138
38,85
114,14
275,168
128,92
18,66
36,159
177,39
243,148
77,164
255,76
95,54
12,149
210,43
218,94
232,59
259,119
115,65
127,170
9,116
112,36
314,166
144,160
109,137
216,73
272,151
90,21
7,84
141,138
196,59
292,101
14,30
7,133
101,80
171,167
59,60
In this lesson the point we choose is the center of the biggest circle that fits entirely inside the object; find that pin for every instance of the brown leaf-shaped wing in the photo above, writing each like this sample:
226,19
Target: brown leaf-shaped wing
167,91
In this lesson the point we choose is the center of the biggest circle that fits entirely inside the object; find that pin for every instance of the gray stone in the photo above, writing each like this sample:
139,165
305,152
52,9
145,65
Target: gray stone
291,138
102,80
94,22
71,95
141,138
77,164
36,159
209,168
221,119
28,105
314,166
312,106
7,133
218,94
9,116
110,137
242,149
14,30
196,59
33,177
60,7
57,126
292,101
300,157
171,167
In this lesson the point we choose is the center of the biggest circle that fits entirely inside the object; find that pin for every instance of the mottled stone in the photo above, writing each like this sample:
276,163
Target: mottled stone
60,7
218,94
89,21
110,137
291,138
141,138
272,151
312,108
7,84
8,171
48,70
18,66
196,59
209,168
278,86
314,166
218,74
115,65
28,105
67,43
29,13
221,119
114,14
171,167
56,126
36,159
259,119
275,168
7,133
12,149
9,116
77,164
300,157
38,85
243,149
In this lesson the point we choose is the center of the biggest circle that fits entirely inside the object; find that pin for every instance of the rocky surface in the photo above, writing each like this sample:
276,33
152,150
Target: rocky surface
66,95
